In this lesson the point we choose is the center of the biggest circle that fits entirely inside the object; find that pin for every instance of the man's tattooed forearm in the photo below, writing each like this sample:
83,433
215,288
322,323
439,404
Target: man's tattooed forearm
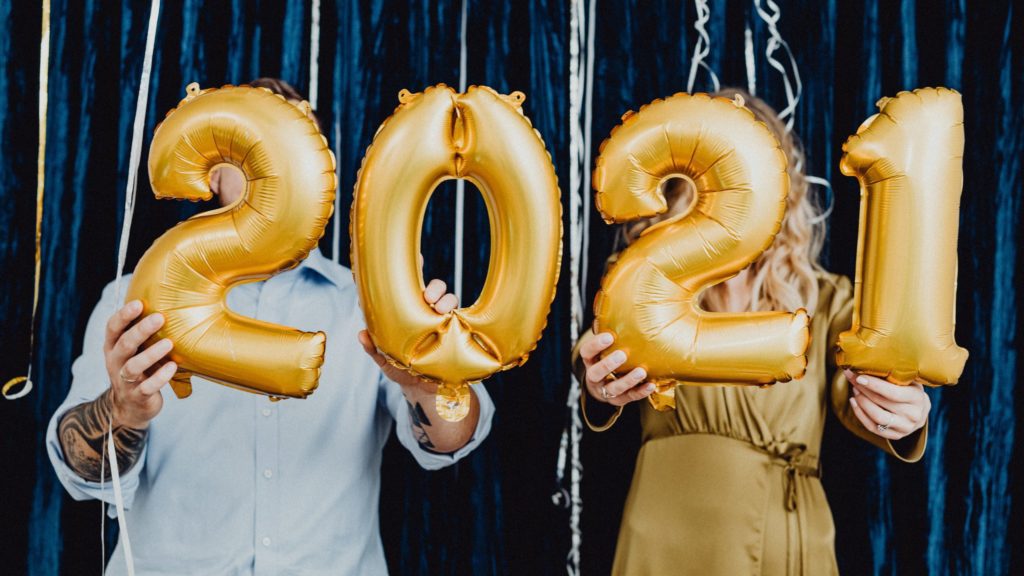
81,433
419,420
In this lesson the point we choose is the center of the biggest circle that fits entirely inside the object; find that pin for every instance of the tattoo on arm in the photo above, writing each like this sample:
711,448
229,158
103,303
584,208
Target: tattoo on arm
419,420
81,433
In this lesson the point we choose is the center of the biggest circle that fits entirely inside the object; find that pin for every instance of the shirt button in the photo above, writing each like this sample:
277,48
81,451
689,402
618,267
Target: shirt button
265,412
266,540
268,473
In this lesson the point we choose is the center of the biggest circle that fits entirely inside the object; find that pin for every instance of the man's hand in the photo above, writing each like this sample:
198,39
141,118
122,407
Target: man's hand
886,409
616,392
432,432
133,399
442,303
136,375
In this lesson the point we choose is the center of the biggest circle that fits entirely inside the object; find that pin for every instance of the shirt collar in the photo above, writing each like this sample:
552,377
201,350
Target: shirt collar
327,269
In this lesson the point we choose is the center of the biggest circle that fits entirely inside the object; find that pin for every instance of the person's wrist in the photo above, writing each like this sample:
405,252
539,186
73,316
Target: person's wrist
123,418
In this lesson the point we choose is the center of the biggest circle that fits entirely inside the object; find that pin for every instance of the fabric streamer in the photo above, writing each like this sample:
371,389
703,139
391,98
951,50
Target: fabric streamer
580,96
703,46
460,184
44,83
129,210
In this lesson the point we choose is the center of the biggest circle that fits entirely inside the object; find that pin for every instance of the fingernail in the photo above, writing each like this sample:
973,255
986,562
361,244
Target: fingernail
650,388
173,366
166,343
640,374
855,391
862,380
135,305
853,401
618,356
604,339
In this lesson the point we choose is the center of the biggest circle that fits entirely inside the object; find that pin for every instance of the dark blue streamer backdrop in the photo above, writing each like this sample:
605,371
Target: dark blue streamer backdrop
492,513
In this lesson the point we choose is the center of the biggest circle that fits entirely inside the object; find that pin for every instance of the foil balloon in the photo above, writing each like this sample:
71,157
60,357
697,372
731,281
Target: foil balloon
649,296
186,274
483,137
908,159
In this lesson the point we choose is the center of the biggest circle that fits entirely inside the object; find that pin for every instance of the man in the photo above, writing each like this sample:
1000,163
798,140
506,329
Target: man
225,482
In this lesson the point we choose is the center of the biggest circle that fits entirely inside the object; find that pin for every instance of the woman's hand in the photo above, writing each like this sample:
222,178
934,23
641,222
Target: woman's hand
618,392
886,409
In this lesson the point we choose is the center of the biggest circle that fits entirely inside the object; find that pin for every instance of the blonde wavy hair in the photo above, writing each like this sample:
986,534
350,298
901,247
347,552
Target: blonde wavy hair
785,277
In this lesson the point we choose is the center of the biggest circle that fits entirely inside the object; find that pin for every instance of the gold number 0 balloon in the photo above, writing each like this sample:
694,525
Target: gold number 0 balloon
648,298
433,136
909,161
187,272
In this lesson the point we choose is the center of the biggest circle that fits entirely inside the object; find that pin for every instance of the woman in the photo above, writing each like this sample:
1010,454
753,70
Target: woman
727,482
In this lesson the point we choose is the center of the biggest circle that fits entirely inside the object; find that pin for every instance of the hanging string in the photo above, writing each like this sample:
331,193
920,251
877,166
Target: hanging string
748,58
314,54
703,46
580,87
44,82
588,111
794,86
314,97
131,189
460,184
336,232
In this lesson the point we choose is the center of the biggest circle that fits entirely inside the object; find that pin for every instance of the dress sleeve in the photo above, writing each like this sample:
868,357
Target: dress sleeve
840,314
88,380
394,401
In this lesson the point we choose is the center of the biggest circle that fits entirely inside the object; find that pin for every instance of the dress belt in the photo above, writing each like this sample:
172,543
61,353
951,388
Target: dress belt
794,459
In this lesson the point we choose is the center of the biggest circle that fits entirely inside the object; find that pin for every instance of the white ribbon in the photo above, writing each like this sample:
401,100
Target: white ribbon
580,96
703,46
314,54
793,87
748,59
122,252
460,184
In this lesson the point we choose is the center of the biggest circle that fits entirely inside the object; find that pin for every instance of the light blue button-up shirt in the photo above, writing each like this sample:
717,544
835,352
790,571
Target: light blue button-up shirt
231,483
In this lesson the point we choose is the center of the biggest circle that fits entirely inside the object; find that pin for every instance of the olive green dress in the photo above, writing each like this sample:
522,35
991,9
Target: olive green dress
728,483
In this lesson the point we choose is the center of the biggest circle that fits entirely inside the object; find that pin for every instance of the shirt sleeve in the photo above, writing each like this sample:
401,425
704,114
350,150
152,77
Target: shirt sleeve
909,449
88,380
391,395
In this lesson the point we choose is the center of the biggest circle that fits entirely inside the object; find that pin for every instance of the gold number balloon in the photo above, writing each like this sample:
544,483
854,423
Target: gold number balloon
438,135
649,297
909,161
187,272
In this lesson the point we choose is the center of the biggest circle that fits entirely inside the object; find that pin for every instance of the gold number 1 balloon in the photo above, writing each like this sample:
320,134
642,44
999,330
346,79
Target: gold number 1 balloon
648,298
909,161
187,272
433,136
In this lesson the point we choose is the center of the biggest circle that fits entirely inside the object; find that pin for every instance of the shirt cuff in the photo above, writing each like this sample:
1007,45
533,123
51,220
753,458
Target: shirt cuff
82,489
433,460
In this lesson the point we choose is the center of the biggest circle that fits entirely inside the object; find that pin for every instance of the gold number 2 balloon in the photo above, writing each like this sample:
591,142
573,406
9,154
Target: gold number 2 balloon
436,135
187,272
649,297
909,161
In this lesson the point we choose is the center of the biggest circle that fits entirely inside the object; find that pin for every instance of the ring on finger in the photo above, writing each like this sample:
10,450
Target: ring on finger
604,392
126,379
884,427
